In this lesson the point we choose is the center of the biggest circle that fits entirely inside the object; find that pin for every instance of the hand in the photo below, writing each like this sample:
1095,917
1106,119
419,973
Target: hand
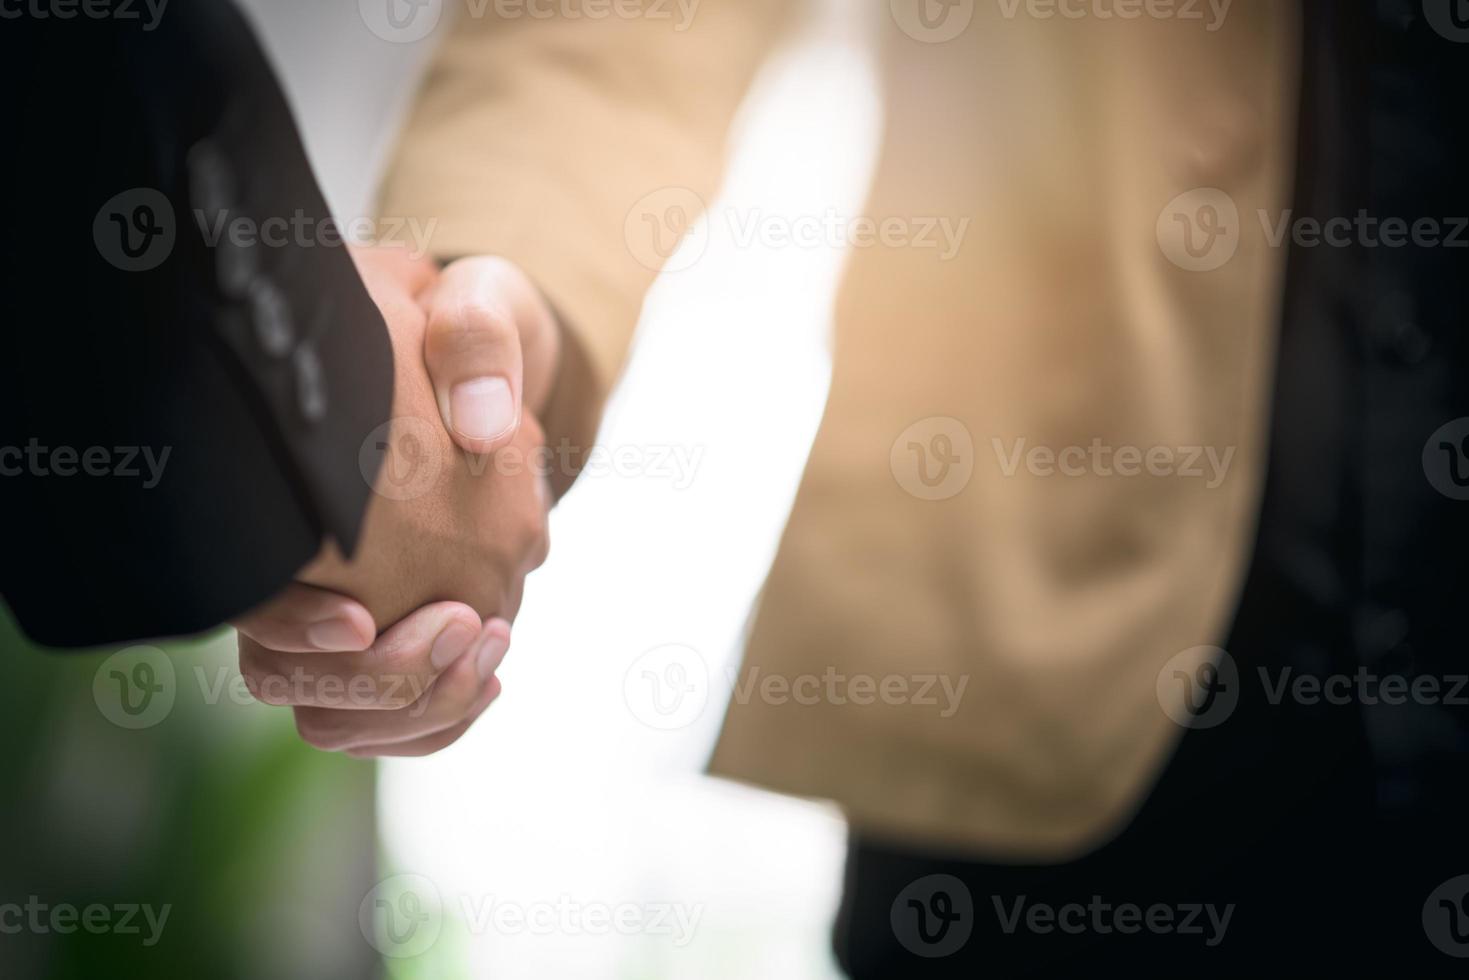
414,691
456,527
415,549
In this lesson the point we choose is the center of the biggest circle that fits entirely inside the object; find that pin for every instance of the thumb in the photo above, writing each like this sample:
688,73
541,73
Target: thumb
303,618
472,350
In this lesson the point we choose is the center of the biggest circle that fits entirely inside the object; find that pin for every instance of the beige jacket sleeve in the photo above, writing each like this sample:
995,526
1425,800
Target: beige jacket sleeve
539,138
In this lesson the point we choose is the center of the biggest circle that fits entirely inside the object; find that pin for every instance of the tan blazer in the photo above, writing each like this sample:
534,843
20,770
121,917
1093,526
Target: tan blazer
1087,312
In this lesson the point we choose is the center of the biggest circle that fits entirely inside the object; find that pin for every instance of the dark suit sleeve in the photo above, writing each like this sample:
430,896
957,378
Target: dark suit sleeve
192,370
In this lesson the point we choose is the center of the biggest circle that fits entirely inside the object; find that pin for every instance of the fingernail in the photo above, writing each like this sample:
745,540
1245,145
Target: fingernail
494,644
450,645
482,408
334,635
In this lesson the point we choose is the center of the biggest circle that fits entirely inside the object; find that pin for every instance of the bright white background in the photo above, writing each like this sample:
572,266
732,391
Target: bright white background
561,794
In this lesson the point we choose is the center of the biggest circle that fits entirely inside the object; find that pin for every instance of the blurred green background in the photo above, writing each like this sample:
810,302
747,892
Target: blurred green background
125,786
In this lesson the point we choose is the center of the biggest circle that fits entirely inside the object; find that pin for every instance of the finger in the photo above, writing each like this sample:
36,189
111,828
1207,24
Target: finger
429,744
305,619
472,349
457,695
392,673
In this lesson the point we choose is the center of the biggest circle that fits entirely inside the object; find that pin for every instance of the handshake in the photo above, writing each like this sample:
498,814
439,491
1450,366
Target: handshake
441,571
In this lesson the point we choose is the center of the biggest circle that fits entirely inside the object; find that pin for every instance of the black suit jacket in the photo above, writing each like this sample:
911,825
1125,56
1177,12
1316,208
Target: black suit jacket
134,329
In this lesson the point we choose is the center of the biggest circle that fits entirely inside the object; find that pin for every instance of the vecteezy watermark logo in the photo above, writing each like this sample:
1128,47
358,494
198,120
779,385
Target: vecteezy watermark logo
1446,459
1446,917
933,458
402,459
568,916
123,919
302,230
663,231
1362,230
674,464
406,21
135,230
401,21
65,462
135,688
932,21
933,916
941,234
1199,230
402,916
1209,922
120,10
1364,687
1199,687
667,687
941,692
1181,10
1450,18
1205,463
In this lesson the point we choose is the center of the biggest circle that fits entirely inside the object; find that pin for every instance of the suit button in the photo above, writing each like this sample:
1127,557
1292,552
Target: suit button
270,315
234,268
214,191
310,384
211,183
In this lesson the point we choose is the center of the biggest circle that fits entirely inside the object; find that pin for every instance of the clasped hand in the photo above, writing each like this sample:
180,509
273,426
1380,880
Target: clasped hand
444,552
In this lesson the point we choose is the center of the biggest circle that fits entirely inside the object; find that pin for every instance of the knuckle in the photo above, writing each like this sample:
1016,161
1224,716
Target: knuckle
396,687
403,698
451,697
317,731
535,545
471,324
482,313
399,679
535,531
259,679
540,550
495,268
460,699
